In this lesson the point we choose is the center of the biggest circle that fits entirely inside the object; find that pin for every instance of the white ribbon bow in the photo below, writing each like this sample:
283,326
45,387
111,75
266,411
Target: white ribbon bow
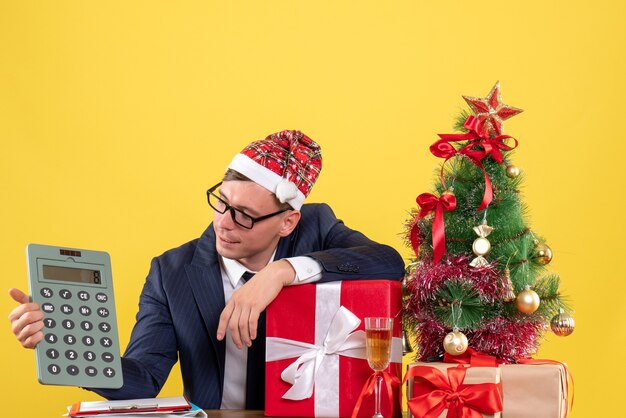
340,340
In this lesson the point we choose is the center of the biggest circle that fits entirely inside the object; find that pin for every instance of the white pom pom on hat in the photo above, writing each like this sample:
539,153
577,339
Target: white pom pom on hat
286,191
286,163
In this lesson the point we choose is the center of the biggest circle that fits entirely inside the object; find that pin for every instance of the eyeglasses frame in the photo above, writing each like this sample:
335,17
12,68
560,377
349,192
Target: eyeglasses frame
232,210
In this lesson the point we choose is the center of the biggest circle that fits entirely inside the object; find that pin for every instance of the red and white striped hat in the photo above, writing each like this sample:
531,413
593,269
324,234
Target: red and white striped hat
286,163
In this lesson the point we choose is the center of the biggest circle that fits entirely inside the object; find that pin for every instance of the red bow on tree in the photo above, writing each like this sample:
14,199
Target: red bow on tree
428,203
434,393
480,146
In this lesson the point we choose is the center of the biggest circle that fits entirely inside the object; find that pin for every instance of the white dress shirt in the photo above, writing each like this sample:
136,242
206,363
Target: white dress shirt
234,395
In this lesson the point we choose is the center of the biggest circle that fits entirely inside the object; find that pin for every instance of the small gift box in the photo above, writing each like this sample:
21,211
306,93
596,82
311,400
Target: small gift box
450,390
538,390
316,362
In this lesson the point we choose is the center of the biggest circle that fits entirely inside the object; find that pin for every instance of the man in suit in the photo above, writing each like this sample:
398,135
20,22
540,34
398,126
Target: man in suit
203,303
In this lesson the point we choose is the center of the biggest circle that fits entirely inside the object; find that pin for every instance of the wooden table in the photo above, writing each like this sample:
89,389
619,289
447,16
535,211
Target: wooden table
232,413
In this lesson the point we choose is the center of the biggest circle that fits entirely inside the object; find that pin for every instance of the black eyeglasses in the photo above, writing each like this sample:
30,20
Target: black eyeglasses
239,217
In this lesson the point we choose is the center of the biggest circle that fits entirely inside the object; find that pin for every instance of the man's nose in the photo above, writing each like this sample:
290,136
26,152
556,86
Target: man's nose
224,220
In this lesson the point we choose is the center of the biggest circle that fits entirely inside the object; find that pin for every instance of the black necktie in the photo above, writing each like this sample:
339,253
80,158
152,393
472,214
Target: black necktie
255,381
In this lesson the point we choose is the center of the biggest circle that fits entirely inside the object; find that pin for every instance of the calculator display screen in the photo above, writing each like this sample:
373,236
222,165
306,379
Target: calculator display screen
68,274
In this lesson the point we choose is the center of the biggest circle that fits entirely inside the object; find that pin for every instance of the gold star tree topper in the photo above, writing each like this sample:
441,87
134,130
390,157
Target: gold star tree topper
491,110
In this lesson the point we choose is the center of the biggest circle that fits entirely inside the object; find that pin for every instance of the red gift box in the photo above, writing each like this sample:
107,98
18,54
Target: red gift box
315,358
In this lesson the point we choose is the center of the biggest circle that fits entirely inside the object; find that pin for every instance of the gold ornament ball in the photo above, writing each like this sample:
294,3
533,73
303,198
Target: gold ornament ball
527,301
481,246
562,324
512,171
543,253
455,343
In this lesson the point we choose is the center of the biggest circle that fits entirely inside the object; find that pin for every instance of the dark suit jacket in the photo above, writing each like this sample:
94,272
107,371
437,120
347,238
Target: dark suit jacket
183,298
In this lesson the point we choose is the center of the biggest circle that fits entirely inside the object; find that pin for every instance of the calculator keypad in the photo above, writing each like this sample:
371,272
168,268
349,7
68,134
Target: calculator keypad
77,335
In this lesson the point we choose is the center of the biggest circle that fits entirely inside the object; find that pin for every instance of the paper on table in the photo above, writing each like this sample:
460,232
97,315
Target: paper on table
148,407
197,413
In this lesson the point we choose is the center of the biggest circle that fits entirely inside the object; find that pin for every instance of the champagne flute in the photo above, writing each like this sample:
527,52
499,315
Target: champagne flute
378,348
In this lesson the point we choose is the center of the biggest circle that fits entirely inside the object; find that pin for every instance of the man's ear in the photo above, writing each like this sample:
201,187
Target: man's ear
290,221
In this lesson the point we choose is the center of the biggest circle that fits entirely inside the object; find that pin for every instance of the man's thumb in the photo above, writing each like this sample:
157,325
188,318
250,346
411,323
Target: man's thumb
19,296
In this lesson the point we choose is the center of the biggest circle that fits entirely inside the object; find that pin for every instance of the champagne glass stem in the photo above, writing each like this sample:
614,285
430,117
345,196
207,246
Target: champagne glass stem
377,389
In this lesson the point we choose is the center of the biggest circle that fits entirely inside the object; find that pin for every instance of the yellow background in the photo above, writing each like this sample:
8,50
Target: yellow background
116,116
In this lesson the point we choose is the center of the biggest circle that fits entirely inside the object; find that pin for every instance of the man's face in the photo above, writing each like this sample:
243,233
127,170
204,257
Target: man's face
251,247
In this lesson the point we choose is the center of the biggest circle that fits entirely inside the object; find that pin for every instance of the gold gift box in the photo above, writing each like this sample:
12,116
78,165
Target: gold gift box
537,390
528,390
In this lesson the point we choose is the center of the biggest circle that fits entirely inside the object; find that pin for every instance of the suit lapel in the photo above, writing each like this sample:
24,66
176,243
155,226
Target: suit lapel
205,279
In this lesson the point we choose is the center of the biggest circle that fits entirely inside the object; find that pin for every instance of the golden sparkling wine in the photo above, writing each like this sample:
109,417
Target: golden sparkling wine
378,348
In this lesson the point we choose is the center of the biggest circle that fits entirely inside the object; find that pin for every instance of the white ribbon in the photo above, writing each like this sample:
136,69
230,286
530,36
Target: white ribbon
340,340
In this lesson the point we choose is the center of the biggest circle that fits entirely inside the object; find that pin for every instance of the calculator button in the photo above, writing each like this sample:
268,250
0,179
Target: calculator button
85,310
52,353
67,309
101,297
71,355
67,324
103,312
86,325
104,327
47,307
91,371
109,372
87,340
105,342
108,357
89,355
65,294
46,292
54,369
72,370
82,295
51,338
69,339
49,322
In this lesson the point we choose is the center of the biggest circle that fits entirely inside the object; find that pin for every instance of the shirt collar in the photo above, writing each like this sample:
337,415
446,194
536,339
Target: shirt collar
234,269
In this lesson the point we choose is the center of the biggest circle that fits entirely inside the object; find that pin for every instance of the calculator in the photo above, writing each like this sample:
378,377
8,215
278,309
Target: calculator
74,290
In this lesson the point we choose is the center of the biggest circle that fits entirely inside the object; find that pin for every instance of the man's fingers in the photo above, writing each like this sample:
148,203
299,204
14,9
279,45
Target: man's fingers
253,323
27,324
233,326
18,295
29,330
224,320
229,319
22,309
241,314
25,319
244,331
33,340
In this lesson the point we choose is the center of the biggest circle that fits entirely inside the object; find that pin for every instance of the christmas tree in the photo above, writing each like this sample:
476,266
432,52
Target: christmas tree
479,276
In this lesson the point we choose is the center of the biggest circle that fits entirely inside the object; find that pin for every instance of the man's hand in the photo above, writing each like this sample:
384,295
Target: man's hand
26,320
241,313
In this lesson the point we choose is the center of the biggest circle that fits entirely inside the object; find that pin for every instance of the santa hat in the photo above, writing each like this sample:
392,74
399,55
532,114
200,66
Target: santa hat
286,163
